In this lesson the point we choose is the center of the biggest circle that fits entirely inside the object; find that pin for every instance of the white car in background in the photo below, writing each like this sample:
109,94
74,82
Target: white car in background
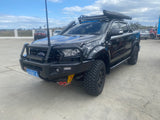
144,34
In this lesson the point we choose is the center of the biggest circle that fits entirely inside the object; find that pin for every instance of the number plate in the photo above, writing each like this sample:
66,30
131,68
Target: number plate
32,72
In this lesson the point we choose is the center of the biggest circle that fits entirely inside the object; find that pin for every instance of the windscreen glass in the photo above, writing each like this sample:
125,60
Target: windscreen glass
88,28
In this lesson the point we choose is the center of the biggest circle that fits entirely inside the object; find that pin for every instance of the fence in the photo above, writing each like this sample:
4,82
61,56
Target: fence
18,34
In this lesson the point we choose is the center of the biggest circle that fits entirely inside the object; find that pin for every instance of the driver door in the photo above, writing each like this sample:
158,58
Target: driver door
116,44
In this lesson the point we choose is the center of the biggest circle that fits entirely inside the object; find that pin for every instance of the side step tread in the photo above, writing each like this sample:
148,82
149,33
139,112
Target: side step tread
119,63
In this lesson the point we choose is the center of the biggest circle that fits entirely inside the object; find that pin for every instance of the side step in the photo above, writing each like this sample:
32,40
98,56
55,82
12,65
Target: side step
119,63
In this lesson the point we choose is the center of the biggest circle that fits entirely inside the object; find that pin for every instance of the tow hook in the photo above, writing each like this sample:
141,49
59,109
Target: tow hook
69,80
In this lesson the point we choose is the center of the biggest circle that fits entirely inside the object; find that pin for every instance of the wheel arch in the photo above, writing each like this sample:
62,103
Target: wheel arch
136,44
102,54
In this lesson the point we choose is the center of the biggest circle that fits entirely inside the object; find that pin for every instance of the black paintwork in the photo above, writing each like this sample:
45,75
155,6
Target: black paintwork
111,47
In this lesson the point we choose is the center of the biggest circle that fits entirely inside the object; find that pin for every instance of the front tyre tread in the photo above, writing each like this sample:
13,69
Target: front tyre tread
94,79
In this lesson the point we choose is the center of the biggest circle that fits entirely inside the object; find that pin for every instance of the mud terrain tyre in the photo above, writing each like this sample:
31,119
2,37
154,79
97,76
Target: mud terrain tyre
134,56
94,79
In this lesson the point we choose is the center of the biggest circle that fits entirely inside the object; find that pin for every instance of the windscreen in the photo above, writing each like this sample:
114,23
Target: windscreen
88,28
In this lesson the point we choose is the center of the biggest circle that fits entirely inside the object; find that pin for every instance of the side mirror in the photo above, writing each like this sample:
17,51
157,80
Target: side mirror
114,32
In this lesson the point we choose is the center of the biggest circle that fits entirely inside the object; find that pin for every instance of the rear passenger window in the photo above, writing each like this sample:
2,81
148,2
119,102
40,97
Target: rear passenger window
124,27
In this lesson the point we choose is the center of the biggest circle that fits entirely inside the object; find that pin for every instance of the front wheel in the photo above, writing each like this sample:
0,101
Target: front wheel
94,79
134,56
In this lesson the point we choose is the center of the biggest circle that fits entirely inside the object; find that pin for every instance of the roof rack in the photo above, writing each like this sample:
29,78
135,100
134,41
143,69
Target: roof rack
107,15
84,18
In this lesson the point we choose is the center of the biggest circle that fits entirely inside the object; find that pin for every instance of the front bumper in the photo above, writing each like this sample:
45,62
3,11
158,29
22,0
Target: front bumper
54,71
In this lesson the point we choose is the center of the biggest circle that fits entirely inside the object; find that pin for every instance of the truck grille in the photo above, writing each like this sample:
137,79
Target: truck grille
38,52
55,56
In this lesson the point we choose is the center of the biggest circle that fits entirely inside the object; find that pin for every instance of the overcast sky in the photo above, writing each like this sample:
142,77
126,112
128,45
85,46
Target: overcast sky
31,13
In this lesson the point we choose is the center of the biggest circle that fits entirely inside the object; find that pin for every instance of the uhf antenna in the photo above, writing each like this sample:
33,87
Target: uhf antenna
49,42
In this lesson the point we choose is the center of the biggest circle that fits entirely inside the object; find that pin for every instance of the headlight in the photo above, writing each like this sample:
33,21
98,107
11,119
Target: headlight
70,52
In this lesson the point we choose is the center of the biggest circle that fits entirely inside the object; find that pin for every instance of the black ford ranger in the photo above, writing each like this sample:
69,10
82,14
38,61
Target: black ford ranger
88,49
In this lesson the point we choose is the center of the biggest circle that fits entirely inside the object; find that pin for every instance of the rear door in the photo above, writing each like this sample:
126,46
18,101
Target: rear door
127,39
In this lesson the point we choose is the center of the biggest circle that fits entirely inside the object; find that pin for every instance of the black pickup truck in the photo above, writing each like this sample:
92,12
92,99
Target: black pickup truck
86,50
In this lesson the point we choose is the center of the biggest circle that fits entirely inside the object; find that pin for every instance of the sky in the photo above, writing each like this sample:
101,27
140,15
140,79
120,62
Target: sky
30,14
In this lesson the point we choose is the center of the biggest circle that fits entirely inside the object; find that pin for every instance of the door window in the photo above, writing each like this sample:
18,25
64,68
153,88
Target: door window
124,27
115,25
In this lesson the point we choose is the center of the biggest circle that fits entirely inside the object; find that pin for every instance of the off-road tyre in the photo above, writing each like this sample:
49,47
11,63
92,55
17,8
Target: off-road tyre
94,79
134,56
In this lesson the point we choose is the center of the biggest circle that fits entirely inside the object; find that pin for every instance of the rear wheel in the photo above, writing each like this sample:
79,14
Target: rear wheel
134,56
94,79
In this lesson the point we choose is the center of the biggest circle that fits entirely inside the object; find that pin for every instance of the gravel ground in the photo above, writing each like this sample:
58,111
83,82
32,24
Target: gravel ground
130,92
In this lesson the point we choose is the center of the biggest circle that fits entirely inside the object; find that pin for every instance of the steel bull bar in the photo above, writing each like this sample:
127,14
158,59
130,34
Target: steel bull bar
51,70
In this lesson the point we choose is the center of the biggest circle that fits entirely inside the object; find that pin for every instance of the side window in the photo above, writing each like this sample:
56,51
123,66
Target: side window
115,25
124,27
